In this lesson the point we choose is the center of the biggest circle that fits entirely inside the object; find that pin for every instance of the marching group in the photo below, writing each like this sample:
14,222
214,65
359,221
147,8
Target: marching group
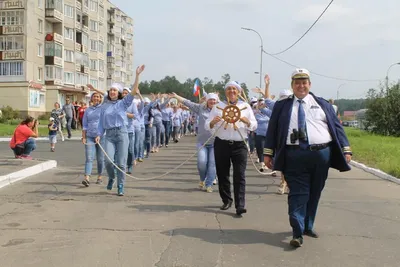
297,134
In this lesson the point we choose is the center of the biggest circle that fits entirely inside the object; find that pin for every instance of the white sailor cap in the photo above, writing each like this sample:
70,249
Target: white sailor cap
301,74
212,96
234,84
127,89
117,86
146,100
284,94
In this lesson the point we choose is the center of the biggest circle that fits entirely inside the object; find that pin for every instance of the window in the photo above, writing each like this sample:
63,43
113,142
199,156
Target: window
42,99
48,26
101,47
93,5
13,68
69,55
101,65
55,4
40,74
93,45
40,4
81,78
69,11
94,64
85,39
53,73
53,49
40,25
85,60
94,25
94,82
11,43
34,98
68,33
40,50
11,17
69,77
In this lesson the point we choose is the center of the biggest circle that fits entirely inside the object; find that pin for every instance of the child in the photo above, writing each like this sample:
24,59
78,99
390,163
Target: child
53,128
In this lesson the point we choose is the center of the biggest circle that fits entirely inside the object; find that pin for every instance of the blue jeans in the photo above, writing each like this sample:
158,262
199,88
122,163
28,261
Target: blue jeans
29,146
90,148
206,164
159,132
305,173
138,137
167,135
252,141
116,146
131,149
260,142
141,141
149,138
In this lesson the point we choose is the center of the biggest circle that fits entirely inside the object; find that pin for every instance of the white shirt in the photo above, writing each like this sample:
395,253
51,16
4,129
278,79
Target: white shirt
230,134
316,123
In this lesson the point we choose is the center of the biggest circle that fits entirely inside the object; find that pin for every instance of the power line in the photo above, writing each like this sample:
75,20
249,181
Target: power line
319,74
315,22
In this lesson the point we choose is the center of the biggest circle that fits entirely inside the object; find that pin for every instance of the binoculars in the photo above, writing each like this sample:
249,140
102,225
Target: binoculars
298,135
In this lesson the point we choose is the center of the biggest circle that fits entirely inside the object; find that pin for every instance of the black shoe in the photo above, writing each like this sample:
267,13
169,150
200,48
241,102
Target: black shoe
226,205
240,211
296,242
311,233
86,183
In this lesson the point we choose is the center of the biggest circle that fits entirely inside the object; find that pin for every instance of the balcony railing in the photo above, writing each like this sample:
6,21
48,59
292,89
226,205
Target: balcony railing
58,38
12,29
78,47
12,4
85,29
54,16
78,5
12,55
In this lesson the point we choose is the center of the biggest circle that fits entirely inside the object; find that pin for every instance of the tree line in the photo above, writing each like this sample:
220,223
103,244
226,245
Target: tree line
170,84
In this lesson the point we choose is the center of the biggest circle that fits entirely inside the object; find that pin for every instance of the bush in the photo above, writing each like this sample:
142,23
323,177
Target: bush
43,117
8,113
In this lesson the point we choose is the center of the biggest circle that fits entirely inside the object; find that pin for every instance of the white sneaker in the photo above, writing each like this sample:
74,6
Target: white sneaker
215,182
201,185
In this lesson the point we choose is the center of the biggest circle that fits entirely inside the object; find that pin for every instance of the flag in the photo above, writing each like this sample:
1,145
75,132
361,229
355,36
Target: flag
196,88
204,92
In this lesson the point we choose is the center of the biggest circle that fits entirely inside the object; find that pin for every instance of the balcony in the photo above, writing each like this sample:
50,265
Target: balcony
12,55
110,67
111,21
12,4
100,55
84,49
85,10
86,70
78,47
12,29
101,2
78,67
78,25
78,5
54,16
58,38
85,29
101,74
53,60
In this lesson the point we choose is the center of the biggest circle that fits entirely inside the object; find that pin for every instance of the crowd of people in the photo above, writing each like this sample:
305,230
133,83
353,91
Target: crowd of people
297,134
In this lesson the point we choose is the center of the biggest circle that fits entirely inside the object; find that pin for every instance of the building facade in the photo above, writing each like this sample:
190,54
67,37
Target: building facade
51,49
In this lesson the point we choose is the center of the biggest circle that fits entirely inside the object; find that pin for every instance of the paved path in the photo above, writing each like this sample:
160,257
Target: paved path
51,220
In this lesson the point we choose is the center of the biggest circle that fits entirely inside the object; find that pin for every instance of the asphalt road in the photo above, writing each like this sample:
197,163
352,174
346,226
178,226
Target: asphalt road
51,220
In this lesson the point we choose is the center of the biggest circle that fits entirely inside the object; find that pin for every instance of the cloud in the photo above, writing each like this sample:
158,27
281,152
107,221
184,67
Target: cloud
334,13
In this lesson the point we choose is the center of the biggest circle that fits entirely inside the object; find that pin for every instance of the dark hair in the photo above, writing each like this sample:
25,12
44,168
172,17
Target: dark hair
119,96
27,120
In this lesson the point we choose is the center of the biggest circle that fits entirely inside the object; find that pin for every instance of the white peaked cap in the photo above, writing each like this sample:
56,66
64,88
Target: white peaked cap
127,89
285,93
146,100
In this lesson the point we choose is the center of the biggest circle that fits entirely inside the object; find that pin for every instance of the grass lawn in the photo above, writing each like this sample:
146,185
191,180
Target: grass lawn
381,152
8,130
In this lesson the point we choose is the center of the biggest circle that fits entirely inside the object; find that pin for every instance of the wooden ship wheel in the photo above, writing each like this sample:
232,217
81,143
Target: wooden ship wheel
231,114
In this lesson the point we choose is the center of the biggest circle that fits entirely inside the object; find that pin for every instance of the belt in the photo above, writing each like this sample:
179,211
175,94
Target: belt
310,147
231,142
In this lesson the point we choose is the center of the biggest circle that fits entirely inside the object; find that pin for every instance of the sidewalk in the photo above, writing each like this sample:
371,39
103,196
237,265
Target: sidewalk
52,220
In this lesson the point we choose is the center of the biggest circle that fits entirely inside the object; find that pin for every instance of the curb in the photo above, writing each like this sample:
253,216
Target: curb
375,172
8,139
24,173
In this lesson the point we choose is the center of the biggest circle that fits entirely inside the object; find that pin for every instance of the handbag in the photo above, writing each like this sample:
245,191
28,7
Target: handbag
19,148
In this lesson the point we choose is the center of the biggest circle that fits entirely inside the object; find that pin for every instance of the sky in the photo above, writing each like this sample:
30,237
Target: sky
355,39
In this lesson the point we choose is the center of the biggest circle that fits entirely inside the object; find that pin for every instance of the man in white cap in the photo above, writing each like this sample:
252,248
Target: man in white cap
306,139
230,147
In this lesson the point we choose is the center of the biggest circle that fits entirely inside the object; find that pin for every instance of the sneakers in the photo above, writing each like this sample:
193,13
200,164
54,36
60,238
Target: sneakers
201,185
215,182
120,190
86,182
209,189
110,184
262,167
26,157
129,170
99,181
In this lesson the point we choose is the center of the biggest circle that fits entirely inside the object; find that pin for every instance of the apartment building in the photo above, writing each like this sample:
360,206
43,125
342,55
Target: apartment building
51,49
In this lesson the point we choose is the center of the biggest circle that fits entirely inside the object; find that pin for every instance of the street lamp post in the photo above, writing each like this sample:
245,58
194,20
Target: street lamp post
337,93
261,53
387,73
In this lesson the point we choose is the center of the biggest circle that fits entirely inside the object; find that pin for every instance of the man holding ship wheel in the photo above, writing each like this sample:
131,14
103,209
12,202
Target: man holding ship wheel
237,119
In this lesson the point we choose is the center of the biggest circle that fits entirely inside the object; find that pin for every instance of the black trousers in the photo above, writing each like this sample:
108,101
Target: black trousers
226,152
